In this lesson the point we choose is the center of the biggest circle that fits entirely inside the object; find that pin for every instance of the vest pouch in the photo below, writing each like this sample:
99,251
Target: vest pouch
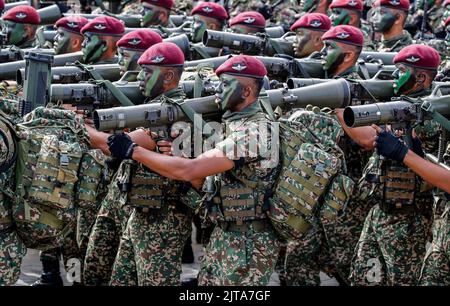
337,197
90,174
399,185
146,189
56,173
238,203
300,189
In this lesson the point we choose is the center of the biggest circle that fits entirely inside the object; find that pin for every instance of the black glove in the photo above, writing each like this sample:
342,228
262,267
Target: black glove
121,146
391,147
417,147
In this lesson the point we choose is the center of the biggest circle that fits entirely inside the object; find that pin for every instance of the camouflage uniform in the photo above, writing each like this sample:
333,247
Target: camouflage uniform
243,247
396,44
392,243
12,250
152,242
329,245
436,266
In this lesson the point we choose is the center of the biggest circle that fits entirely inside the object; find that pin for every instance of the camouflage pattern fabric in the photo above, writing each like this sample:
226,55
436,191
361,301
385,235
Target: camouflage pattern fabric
236,258
436,266
105,235
151,247
392,245
12,250
245,254
396,44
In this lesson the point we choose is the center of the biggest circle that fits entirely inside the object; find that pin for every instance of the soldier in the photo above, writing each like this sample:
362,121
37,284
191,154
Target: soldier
22,22
389,19
130,48
68,36
349,12
316,6
207,15
156,12
435,270
100,38
248,23
12,250
392,243
343,45
152,243
243,247
329,245
309,30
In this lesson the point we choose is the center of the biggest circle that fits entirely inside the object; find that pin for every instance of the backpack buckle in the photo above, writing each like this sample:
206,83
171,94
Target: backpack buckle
64,159
319,169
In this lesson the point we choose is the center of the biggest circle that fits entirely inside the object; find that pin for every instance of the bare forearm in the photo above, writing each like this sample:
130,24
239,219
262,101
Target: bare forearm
99,140
169,166
363,136
430,172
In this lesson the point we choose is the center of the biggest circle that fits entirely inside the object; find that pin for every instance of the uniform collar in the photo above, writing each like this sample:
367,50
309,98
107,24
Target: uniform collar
247,112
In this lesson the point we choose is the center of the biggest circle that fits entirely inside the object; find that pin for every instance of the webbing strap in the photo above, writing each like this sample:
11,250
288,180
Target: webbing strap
399,195
333,204
308,170
238,202
52,172
302,195
405,175
145,202
55,161
149,192
401,185
86,197
239,214
302,181
298,223
51,185
228,192
88,185
146,181
53,198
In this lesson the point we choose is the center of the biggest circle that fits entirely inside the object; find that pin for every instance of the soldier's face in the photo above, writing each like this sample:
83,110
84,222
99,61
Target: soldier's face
309,5
383,19
16,33
243,29
340,16
151,81
61,42
229,92
332,55
303,43
128,60
404,79
198,28
93,47
150,15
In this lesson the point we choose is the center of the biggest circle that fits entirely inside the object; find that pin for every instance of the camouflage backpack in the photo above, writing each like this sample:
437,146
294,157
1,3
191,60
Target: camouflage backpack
54,171
312,184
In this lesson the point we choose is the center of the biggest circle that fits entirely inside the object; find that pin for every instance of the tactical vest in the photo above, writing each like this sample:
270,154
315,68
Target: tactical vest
399,187
8,149
312,183
50,151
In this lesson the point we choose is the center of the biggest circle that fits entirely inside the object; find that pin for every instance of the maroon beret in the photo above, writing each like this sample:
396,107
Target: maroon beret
252,19
243,65
162,3
345,34
356,5
210,9
162,54
104,25
2,4
72,23
395,4
141,39
23,14
418,56
446,2
313,21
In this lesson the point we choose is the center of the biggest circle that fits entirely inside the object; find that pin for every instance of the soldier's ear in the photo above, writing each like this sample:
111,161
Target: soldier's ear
29,30
76,42
169,75
421,77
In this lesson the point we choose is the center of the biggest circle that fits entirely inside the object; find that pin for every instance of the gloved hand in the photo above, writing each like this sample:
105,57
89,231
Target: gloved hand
121,146
390,146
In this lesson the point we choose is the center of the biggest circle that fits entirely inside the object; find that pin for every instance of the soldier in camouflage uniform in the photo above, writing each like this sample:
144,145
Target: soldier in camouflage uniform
436,267
152,242
243,247
100,38
22,22
12,250
350,12
389,19
329,246
68,34
392,243
156,12
309,30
